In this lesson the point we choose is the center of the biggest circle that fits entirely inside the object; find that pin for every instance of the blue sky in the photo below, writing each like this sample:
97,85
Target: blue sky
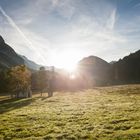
53,31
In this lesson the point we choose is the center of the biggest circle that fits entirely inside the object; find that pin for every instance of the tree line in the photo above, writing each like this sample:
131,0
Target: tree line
92,72
19,81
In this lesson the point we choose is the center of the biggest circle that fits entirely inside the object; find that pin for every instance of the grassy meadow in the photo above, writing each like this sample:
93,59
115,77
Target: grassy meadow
105,113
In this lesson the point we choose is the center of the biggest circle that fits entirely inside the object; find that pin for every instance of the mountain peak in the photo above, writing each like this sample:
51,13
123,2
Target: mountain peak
1,40
93,60
9,58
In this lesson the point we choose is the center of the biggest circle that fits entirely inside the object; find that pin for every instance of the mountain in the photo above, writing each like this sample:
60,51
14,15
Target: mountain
9,58
30,64
127,70
92,70
95,71
113,62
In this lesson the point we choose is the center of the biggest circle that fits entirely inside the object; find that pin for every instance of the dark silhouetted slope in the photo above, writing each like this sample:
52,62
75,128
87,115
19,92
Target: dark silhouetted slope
95,69
9,58
127,70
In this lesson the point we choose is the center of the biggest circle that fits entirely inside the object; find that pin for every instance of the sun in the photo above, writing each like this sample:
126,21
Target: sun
72,76
70,68
66,59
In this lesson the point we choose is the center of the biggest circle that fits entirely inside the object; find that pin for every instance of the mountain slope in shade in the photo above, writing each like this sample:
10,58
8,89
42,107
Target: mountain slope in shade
9,58
30,64
96,70
127,70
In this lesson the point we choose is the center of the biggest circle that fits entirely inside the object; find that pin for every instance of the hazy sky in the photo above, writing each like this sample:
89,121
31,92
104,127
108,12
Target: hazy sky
53,31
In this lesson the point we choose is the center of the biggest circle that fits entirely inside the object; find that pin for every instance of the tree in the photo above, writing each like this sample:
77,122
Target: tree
51,82
3,81
42,79
19,79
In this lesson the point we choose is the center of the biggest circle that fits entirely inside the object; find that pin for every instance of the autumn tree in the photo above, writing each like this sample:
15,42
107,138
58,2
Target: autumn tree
19,80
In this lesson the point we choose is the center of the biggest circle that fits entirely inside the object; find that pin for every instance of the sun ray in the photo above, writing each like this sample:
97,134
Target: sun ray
66,59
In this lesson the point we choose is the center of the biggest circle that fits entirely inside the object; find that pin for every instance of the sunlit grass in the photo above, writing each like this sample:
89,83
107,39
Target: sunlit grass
100,113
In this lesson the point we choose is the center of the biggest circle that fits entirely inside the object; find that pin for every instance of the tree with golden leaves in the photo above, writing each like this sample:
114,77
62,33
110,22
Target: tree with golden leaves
20,81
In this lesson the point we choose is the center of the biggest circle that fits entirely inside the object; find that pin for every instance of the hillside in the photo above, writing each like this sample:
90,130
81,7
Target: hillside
9,58
95,69
30,64
127,70
92,70
98,72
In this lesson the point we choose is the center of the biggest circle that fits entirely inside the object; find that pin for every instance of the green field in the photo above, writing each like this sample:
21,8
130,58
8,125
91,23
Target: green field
107,113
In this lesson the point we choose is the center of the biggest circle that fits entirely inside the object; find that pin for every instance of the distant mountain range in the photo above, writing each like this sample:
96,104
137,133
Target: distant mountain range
9,58
93,69
127,70
99,72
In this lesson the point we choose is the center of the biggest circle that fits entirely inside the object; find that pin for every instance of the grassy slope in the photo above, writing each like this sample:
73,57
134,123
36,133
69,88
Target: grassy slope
109,113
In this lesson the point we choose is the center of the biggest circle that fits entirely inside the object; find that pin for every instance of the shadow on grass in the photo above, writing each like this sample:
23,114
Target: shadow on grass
11,104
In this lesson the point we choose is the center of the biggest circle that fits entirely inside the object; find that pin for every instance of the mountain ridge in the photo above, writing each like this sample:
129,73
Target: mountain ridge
9,58
126,70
